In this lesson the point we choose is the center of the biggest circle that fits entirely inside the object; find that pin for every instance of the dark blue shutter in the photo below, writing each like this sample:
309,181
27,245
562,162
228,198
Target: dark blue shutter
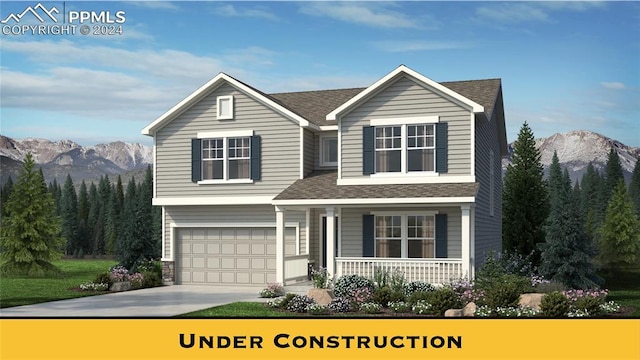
255,158
441,147
368,235
441,235
368,150
196,160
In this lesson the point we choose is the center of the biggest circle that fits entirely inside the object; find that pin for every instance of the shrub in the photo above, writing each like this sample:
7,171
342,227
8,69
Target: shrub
346,284
359,296
119,273
397,281
103,278
554,304
419,295
370,308
516,312
589,304
272,290
321,278
442,300
151,279
610,307
399,306
340,305
422,307
136,280
380,277
300,303
506,291
94,286
281,302
417,286
385,295
466,291
551,286
317,309
148,265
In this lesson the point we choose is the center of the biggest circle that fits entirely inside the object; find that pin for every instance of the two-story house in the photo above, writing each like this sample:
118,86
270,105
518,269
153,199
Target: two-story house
402,175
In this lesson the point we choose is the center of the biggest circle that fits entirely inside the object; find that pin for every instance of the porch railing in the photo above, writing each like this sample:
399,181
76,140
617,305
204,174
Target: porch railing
296,267
434,271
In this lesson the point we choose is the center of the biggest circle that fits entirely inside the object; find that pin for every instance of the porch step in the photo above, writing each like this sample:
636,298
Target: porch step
299,288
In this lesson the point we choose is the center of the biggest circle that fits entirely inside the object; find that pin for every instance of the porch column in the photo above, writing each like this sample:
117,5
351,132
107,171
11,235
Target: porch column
466,239
279,245
331,240
472,243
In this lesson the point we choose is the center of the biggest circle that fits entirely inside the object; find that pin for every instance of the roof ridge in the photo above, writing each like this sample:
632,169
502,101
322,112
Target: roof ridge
311,91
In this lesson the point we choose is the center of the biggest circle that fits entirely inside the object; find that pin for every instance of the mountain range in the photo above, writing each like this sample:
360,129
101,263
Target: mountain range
57,158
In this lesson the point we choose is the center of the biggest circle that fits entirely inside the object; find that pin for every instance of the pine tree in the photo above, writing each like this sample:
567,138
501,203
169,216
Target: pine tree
612,175
56,191
634,187
590,200
69,215
30,235
146,213
104,194
113,222
525,199
94,225
84,234
130,246
4,197
567,252
620,232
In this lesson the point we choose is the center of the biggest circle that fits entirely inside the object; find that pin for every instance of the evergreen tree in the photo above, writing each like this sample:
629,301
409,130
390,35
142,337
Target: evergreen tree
94,224
612,175
84,234
525,200
567,252
577,197
145,195
104,194
620,232
634,187
113,222
591,197
30,235
4,197
56,192
130,245
69,215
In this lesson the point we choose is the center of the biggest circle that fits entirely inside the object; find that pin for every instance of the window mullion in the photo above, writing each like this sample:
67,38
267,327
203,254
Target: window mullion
403,148
225,155
404,223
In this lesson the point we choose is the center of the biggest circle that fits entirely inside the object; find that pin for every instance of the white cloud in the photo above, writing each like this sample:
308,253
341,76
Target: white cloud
516,12
614,85
366,13
164,5
231,11
418,45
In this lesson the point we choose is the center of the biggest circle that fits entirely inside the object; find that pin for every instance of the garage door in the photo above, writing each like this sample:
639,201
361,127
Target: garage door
244,256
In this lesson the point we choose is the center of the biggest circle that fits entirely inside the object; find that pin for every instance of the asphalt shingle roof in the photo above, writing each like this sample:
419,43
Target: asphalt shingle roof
322,185
315,105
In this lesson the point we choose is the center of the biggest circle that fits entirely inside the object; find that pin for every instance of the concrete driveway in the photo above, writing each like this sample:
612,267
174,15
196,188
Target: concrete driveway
162,301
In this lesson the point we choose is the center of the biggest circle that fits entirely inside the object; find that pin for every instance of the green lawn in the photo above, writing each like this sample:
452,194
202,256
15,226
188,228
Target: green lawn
16,291
624,288
239,309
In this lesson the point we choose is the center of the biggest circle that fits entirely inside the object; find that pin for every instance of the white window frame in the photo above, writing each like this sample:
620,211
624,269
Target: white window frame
219,101
323,161
404,226
225,136
403,123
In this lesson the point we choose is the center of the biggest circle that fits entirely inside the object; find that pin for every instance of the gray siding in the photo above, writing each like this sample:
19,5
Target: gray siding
280,147
488,229
405,98
352,228
309,151
203,215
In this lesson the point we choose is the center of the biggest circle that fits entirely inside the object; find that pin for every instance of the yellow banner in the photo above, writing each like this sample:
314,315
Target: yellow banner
304,339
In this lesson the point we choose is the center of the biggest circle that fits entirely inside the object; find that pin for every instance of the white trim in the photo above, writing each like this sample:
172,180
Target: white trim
472,158
405,120
402,69
155,167
226,224
301,153
224,134
419,178
222,181
213,200
219,100
307,219
280,245
339,150
395,213
404,232
171,257
465,230
328,127
376,201
164,233
324,137
205,89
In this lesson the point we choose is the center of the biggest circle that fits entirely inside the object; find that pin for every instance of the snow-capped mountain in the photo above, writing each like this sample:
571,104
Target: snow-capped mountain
579,147
57,158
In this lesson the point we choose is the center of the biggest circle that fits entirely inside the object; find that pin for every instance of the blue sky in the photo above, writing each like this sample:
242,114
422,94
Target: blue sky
564,65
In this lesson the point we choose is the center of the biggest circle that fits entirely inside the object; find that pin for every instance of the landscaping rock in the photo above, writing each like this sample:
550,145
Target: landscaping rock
531,300
321,296
453,313
469,309
120,286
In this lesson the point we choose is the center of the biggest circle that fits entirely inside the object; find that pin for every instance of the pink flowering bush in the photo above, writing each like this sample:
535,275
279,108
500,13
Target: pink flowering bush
119,273
136,280
575,295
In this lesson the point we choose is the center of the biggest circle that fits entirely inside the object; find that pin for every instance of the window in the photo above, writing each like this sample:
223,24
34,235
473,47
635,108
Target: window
226,156
421,148
329,152
225,107
406,236
388,149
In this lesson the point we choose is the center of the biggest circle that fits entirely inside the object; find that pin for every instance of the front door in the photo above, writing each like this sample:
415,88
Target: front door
324,240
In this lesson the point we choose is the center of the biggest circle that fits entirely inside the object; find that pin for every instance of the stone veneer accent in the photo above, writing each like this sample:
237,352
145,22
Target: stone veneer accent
168,272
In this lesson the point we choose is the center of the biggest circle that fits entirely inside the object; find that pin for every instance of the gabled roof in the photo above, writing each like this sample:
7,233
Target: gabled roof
402,70
315,105
322,185
207,88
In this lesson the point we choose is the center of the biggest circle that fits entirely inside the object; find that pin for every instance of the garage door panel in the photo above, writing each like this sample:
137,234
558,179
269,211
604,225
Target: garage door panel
229,255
